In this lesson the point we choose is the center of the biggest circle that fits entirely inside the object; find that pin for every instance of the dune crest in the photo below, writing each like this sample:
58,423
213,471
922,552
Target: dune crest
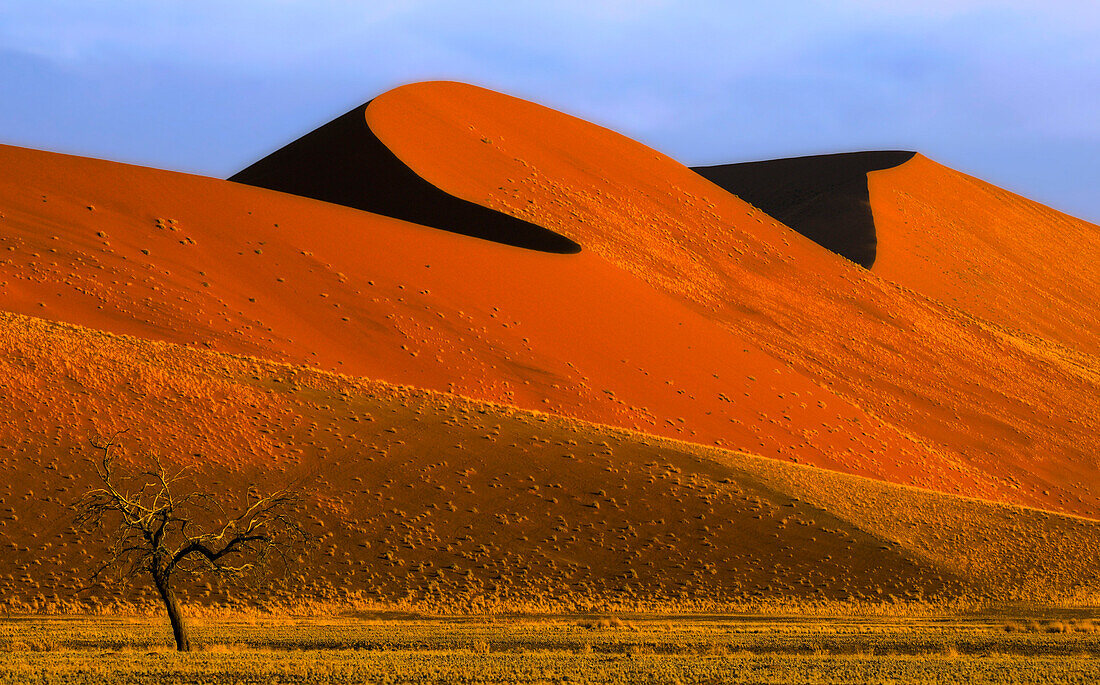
343,162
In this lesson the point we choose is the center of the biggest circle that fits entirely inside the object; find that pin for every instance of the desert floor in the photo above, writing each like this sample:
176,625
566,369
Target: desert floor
1061,647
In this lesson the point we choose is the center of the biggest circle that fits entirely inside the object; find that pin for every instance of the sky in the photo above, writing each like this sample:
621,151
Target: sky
1006,90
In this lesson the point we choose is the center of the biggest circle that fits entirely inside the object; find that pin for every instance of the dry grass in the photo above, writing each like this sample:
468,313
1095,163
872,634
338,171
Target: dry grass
533,649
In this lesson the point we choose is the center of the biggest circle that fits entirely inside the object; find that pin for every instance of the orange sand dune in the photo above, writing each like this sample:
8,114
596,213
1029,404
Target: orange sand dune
1017,418
220,265
687,313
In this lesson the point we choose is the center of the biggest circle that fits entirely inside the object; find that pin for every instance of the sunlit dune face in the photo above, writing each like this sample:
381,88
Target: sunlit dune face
253,272
989,252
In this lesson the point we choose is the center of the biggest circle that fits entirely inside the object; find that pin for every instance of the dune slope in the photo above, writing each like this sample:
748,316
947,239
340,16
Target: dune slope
989,252
432,501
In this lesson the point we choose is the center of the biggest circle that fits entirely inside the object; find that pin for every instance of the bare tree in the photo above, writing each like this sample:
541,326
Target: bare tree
161,524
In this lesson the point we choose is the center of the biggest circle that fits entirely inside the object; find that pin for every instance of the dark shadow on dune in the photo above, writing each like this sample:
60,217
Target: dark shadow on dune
823,197
343,162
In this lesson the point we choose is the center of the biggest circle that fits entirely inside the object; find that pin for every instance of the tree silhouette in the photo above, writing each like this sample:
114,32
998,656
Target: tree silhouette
162,526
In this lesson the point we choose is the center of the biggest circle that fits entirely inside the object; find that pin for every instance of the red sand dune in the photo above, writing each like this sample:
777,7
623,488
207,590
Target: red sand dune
1016,418
944,234
687,313
256,272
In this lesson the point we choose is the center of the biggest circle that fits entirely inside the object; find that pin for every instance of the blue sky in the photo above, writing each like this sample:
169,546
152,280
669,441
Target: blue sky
1008,91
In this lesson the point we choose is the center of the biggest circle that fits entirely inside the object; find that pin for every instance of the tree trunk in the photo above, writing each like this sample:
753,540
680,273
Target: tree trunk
179,628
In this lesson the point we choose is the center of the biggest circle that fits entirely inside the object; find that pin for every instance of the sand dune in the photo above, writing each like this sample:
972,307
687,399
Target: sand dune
952,237
256,272
982,397
688,313
519,361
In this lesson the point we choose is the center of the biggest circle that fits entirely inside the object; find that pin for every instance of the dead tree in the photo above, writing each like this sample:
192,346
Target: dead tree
162,526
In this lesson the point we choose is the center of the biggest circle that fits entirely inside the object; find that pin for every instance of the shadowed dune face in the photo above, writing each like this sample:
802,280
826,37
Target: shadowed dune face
343,162
823,197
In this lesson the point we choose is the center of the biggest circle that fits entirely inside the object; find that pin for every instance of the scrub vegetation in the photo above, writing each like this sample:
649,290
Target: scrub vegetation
595,649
